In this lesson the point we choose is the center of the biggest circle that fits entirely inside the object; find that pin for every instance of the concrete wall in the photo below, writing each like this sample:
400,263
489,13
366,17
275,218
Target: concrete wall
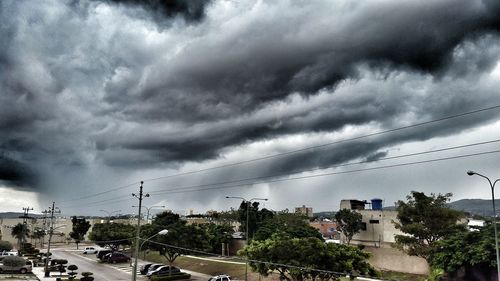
395,260
379,228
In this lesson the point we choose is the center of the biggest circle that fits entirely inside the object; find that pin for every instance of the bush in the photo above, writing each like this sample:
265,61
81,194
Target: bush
13,261
5,246
177,276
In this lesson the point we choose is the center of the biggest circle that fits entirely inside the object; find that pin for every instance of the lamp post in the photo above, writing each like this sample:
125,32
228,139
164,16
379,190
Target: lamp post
148,209
110,213
247,230
161,232
492,185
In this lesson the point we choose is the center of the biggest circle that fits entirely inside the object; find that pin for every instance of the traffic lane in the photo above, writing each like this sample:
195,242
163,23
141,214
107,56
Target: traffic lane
102,272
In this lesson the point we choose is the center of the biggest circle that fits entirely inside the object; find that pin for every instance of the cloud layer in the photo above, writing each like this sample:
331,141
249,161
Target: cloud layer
140,85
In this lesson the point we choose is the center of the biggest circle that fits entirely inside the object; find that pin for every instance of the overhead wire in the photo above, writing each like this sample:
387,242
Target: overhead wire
295,151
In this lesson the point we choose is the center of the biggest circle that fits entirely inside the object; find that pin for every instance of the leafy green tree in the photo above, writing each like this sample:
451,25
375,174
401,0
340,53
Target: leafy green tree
425,220
113,235
217,235
80,228
304,258
164,219
180,239
255,217
349,222
5,246
465,249
20,231
291,224
38,234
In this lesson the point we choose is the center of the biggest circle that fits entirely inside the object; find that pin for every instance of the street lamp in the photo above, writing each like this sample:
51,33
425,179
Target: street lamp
148,209
247,230
492,185
110,213
161,232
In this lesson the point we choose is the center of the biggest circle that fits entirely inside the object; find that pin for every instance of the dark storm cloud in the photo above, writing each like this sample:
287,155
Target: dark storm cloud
268,60
191,10
153,83
15,173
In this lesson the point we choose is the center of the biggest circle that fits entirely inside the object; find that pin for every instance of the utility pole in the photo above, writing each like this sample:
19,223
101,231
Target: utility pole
137,238
25,218
51,231
44,212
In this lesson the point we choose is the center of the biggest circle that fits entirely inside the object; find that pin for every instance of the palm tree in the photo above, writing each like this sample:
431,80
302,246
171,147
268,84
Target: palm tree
20,232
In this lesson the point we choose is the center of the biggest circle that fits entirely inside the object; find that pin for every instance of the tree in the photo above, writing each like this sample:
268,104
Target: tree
113,235
80,228
294,225
180,239
255,217
38,234
466,249
218,235
349,222
425,220
72,274
164,219
5,246
20,231
304,258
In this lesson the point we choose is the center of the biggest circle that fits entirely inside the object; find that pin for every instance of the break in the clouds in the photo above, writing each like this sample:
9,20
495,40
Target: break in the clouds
150,85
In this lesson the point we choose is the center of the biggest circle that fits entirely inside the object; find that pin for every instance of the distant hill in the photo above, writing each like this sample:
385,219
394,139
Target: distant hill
15,215
479,207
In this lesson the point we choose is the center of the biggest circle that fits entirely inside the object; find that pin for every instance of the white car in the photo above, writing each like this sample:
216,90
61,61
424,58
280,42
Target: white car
223,277
90,250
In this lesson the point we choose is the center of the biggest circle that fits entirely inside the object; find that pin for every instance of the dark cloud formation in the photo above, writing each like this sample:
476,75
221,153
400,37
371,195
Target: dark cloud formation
133,85
190,10
14,172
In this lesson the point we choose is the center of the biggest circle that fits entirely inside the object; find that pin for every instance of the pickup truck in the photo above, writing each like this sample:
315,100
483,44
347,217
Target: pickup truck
28,267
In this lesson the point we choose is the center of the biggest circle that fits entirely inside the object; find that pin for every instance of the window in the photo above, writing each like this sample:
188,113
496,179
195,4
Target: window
374,221
363,226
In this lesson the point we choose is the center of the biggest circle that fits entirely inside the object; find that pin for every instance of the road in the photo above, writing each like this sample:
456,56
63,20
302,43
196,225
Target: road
102,271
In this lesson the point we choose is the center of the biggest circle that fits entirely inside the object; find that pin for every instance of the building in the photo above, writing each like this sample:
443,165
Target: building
306,211
327,228
377,235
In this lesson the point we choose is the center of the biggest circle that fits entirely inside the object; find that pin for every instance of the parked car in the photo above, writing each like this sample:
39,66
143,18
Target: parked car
90,250
163,270
153,268
222,277
116,257
102,252
8,253
145,268
27,267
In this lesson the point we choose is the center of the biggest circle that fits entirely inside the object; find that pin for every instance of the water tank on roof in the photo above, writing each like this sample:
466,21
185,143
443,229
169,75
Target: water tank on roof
376,204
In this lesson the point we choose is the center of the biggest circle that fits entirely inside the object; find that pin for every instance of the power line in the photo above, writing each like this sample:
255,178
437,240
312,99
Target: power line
295,151
301,171
212,187
329,174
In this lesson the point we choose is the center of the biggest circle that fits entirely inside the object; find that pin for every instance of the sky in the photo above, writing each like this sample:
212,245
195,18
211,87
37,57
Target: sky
299,102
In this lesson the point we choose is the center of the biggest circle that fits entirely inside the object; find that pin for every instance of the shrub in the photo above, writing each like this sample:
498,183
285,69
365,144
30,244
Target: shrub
177,276
5,246
13,261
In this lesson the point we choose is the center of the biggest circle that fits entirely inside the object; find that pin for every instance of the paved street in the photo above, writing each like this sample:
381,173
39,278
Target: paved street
104,271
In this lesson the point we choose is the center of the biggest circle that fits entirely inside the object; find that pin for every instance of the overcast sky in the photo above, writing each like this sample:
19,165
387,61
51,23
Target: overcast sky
300,102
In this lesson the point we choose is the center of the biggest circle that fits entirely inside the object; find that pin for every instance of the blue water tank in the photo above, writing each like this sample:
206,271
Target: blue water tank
376,204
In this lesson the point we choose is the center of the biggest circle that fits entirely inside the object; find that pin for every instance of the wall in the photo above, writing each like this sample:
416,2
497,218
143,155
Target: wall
394,260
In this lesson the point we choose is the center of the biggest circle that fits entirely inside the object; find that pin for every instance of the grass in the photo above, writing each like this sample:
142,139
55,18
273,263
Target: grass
237,271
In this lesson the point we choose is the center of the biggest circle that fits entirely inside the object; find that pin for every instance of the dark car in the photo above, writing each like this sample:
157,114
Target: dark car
145,268
101,253
116,257
163,270
153,267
